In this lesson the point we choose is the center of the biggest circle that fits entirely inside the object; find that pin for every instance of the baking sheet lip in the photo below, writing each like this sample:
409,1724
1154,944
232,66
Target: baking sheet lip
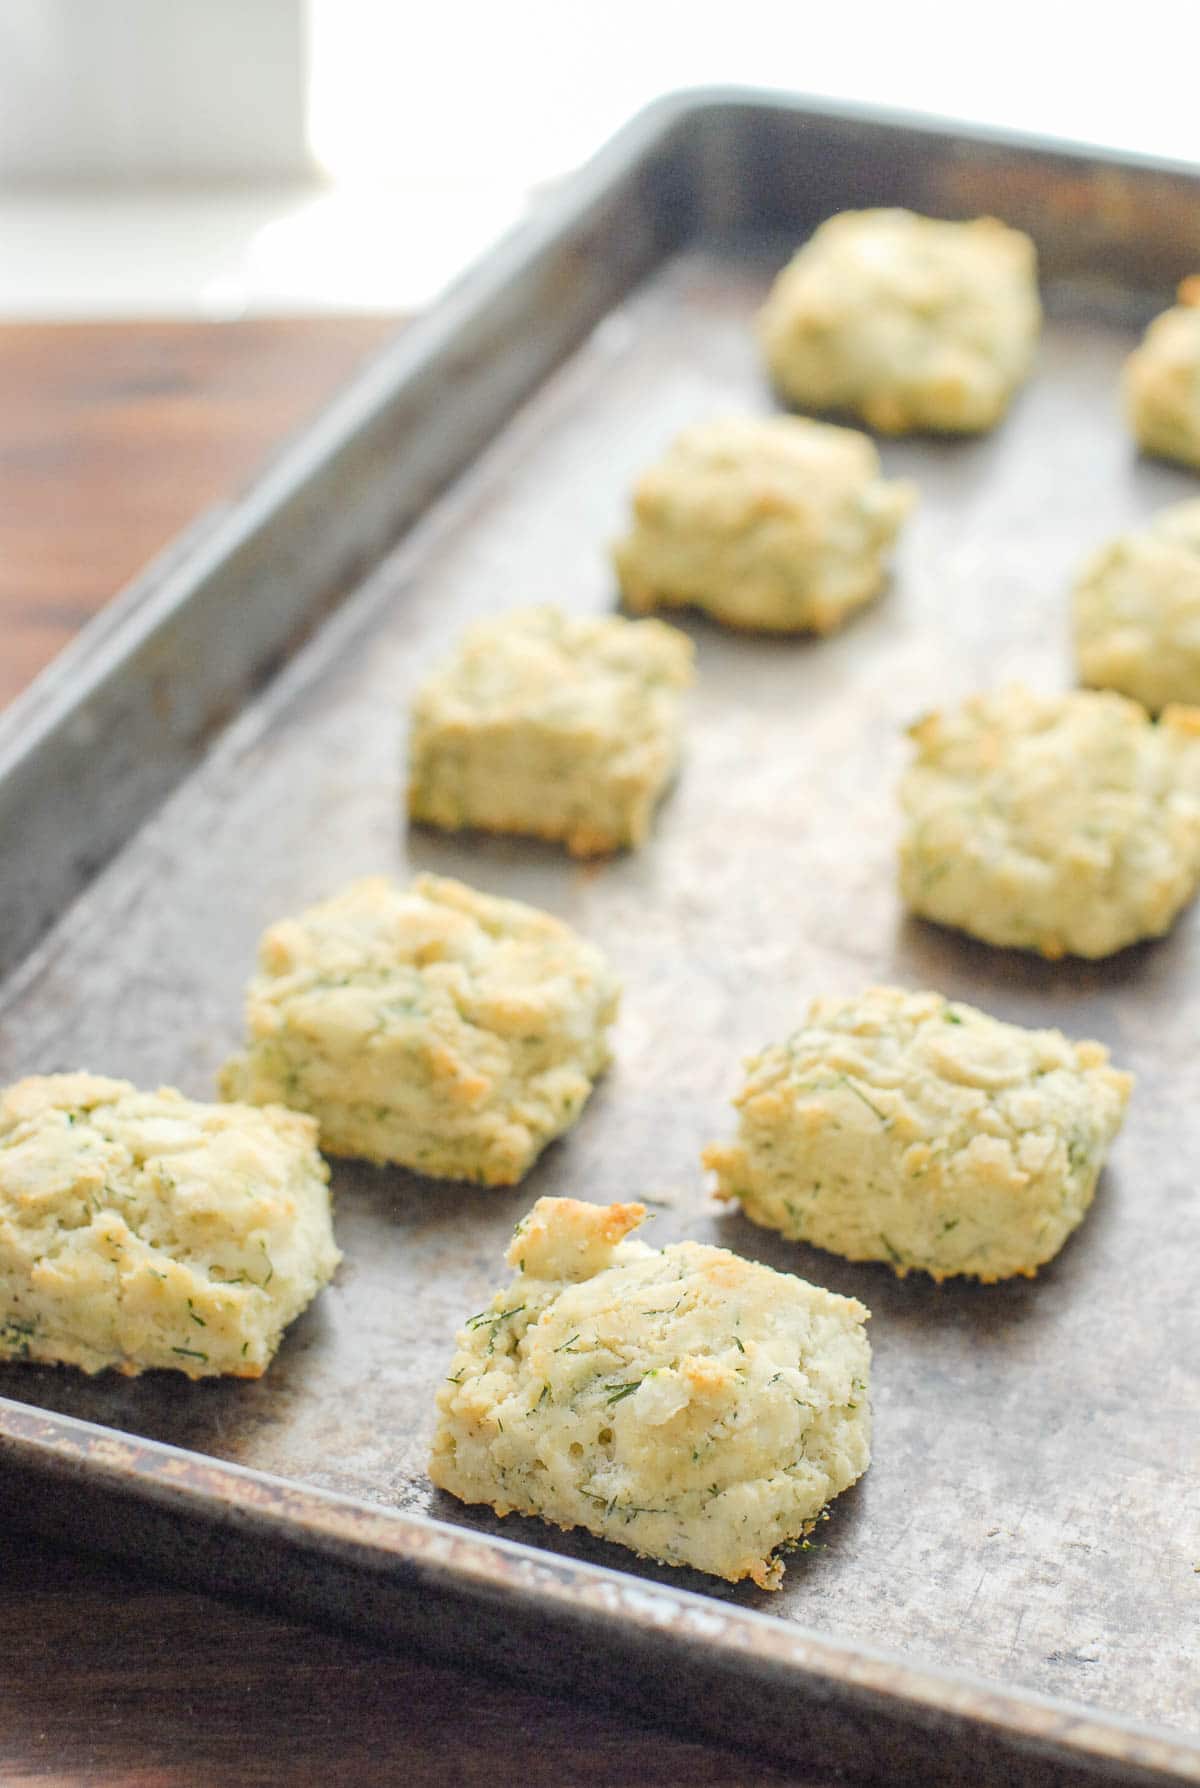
473,1562
684,101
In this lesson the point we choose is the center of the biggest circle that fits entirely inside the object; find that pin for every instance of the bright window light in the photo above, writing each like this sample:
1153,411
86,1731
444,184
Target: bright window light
521,91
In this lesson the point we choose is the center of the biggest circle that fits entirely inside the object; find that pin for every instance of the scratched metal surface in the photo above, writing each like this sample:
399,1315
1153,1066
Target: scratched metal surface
1033,1511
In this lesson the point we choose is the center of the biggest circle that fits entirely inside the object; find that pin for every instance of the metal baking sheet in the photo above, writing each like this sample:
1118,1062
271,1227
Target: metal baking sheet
1028,1537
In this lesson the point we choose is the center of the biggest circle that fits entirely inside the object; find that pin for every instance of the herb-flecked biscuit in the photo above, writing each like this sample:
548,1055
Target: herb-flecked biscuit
904,1128
1137,611
556,726
693,1406
1065,824
907,321
433,1026
1162,381
776,523
144,1229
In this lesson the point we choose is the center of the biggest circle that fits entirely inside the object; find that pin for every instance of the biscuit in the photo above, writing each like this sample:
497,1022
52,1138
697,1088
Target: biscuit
1137,611
433,1026
775,523
144,1229
1162,381
904,1128
695,1407
552,725
906,321
1065,824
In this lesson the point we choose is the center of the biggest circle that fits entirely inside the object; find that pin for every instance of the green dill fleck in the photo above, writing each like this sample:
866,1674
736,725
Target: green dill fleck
542,1398
1079,1152
245,1348
198,1320
618,1393
455,1378
737,1343
613,1505
14,1337
850,1087
565,1345
893,1254
951,1017
488,1316
190,1353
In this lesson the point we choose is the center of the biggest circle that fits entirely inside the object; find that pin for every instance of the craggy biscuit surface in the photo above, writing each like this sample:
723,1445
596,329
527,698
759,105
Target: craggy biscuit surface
433,1026
906,321
1137,611
1162,381
558,726
144,1229
1065,824
691,1405
905,1128
776,523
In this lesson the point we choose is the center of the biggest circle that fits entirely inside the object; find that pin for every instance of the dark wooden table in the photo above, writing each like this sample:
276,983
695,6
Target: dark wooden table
108,1679
113,437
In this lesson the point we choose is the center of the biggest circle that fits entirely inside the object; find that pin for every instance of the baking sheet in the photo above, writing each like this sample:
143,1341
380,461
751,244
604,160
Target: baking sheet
1032,1514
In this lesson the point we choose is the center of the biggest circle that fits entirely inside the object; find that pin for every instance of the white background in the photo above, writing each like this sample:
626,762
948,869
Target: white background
178,157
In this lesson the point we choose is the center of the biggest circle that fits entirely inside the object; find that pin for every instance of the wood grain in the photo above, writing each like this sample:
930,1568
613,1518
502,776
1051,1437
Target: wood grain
116,436
112,1679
